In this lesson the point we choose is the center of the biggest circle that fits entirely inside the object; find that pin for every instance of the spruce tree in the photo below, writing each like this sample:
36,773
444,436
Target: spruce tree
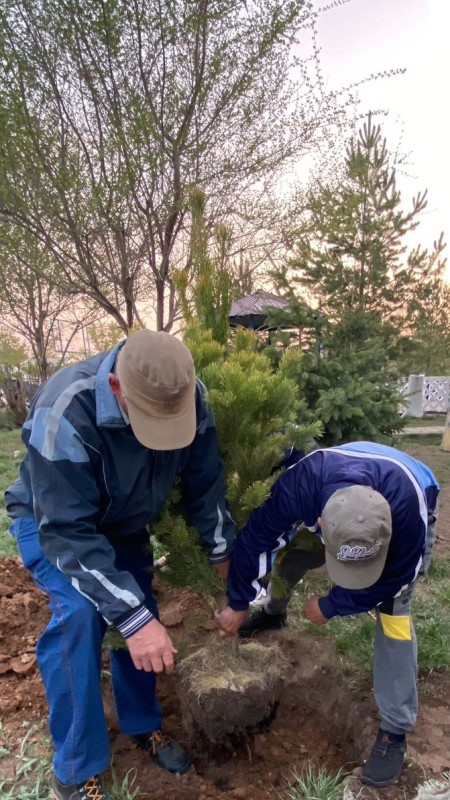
425,343
350,250
350,256
343,375
348,382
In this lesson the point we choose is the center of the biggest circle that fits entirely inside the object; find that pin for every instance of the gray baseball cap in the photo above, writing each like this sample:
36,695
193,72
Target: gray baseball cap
356,530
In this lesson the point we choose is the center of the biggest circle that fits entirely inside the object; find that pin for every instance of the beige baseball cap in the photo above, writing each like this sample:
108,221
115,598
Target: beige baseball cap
356,531
157,378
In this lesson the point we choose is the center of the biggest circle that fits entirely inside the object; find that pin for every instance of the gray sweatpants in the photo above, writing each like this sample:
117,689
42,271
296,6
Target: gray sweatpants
395,650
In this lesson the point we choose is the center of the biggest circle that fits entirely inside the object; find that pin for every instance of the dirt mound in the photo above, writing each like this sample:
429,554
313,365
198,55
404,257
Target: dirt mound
319,719
23,615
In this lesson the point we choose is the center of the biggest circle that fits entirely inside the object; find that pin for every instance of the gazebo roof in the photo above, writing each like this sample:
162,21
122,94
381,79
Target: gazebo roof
256,303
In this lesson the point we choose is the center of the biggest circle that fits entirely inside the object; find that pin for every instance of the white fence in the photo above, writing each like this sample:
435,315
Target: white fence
427,395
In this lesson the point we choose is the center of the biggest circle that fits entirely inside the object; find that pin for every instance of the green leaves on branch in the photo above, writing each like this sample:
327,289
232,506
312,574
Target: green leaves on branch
111,111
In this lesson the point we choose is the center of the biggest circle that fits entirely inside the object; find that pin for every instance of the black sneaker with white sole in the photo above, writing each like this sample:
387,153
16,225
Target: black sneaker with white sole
385,762
262,621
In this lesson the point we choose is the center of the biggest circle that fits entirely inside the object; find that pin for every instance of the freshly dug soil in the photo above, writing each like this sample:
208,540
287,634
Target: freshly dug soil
322,718
227,692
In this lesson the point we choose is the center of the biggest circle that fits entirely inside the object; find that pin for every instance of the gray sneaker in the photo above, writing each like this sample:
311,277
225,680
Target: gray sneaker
385,762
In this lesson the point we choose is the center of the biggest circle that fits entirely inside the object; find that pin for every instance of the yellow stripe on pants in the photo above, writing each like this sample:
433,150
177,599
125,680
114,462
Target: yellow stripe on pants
396,627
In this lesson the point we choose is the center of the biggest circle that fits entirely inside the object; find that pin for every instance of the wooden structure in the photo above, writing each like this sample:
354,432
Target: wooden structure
251,311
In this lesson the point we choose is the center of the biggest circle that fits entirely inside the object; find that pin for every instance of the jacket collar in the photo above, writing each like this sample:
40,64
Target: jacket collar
108,412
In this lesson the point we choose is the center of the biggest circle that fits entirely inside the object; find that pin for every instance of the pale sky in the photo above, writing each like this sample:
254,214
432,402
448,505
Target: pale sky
363,37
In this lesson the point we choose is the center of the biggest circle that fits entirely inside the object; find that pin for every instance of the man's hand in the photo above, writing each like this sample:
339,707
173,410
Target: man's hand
151,648
229,621
313,613
223,569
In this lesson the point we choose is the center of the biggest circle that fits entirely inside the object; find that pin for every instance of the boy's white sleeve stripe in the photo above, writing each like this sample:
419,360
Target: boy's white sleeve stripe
377,457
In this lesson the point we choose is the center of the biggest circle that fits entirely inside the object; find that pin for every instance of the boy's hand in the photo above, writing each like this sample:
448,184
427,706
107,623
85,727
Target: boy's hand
223,569
229,621
313,613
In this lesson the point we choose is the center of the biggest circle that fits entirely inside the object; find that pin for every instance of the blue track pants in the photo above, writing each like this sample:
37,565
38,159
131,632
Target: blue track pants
69,660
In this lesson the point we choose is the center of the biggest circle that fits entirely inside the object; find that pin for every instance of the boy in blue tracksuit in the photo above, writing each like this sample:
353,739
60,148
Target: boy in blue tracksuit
374,509
106,439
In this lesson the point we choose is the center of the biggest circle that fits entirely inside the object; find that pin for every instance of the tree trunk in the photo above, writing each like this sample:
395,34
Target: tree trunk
160,286
445,444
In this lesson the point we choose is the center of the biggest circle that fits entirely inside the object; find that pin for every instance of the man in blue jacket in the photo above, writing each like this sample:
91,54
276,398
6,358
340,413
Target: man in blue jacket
106,440
374,509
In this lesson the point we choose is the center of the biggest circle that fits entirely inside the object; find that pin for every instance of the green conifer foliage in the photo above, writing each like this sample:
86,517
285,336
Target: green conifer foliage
206,294
350,249
256,411
348,382
366,295
345,380
257,407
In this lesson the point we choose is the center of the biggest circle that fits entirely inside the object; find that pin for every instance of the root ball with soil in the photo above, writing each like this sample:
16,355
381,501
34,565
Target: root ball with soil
227,690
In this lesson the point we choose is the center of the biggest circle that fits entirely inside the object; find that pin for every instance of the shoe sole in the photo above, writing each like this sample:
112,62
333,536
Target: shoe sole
381,784
184,769
181,771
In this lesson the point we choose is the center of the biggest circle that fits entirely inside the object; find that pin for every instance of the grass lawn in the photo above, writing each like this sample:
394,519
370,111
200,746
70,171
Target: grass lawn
427,449
11,452
430,421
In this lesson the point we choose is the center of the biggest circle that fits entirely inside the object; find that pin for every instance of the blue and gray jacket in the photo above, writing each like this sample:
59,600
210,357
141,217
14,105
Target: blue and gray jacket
300,494
89,484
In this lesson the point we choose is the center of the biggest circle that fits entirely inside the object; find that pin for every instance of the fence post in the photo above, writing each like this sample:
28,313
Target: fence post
414,395
445,444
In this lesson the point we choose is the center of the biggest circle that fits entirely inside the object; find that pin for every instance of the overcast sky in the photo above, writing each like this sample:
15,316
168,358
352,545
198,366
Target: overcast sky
363,37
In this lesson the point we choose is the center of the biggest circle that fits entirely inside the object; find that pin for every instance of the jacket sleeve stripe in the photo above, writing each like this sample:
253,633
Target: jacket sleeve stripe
56,414
135,622
120,594
220,544
76,585
267,559
377,457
